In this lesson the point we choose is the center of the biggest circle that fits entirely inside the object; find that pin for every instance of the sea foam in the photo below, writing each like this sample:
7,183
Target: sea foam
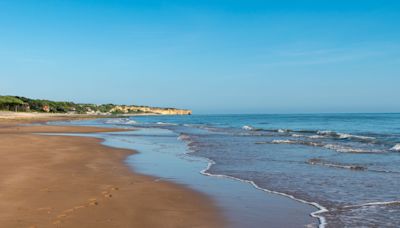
396,147
247,128
344,135
164,123
121,121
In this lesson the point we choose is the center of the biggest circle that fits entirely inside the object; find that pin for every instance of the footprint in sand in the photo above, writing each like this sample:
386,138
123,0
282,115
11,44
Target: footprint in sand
61,216
92,202
68,211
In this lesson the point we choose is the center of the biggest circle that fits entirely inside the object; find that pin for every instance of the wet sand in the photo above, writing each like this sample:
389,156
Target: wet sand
63,181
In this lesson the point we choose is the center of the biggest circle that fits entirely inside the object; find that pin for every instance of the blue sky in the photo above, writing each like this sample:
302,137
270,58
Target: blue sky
221,56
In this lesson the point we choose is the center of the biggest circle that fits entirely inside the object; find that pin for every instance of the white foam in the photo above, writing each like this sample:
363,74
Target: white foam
163,123
396,147
120,121
343,149
316,136
335,147
279,141
316,214
247,128
113,121
325,132
321,162
297,135
383,203
344,135
349,136
313,144
130,122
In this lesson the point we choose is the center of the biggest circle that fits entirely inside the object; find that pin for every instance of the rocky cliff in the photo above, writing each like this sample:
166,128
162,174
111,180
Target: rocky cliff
24,104
150,110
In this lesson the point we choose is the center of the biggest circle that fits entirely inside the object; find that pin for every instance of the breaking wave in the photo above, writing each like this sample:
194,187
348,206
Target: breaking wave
346,149
166,124
121,121
247,128
336,147
384,203
251,128
344,135
396,147
316,161
315,134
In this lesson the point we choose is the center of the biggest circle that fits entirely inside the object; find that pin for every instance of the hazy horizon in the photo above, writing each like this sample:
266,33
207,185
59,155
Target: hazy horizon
214,57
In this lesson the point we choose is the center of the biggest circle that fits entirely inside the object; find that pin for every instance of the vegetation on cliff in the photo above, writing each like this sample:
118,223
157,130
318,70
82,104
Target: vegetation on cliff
11,103
23,104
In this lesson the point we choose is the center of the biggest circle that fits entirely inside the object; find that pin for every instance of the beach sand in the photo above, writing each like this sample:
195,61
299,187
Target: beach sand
64,181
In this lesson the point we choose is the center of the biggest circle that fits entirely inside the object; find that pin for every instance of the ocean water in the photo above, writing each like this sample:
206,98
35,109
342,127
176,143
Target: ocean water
346,165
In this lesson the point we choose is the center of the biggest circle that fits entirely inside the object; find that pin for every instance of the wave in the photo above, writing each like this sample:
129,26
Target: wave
305,136
396,147
379,203
316,161
121,121
272,130
345,135
345,149
307,143
284,141
336,147
316,134
296,135
316,214
355,167
247,128
167,124
131,122
280,130
184,137
251,128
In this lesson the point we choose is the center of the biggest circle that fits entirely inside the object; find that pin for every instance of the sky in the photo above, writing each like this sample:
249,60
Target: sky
220,56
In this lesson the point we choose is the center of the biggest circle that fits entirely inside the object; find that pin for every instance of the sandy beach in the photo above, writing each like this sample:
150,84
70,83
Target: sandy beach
64,181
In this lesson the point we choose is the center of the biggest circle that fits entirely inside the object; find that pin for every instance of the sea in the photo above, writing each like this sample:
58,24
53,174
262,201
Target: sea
344,167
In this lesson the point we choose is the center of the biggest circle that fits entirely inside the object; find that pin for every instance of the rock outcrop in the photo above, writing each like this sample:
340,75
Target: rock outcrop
150,110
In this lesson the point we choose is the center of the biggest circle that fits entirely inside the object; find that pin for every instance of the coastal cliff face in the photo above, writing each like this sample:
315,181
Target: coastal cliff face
23,104
151,110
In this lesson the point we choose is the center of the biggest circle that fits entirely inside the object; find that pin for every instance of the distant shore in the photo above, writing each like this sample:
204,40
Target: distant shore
19,117
44,117
62,181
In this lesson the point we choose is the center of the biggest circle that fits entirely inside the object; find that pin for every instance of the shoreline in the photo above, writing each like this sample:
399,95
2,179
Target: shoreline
274,206
322,223
41,171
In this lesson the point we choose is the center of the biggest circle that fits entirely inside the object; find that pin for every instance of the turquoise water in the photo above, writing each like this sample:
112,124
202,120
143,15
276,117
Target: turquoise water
348,164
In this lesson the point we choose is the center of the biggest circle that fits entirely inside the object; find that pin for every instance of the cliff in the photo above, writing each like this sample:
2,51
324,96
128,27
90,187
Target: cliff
23,104
150,110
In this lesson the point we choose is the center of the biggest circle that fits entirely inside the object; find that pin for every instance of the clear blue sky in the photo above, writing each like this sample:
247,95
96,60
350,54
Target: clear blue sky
221,56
